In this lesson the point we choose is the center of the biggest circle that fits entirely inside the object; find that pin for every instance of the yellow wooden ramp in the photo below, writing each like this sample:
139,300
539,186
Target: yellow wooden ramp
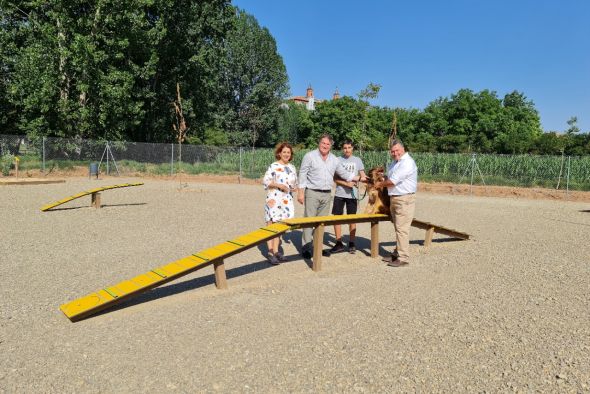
108,296
86,193
313,221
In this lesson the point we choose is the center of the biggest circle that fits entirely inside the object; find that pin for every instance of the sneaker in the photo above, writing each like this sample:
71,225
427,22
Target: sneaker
351,248
306,255
326,253
339,247
280,256
272,259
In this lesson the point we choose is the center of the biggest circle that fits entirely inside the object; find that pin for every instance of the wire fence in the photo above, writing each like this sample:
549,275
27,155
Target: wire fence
135,158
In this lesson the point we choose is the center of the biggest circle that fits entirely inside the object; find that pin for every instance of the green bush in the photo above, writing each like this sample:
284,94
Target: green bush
6,162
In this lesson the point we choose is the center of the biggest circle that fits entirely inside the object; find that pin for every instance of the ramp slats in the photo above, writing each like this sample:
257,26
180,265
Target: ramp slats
102,299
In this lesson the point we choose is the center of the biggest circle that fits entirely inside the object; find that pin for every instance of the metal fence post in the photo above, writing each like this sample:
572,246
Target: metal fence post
240,176
43,170
567,179
172,161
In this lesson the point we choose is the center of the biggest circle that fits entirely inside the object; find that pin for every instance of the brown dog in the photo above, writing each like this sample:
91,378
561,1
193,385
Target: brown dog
378,200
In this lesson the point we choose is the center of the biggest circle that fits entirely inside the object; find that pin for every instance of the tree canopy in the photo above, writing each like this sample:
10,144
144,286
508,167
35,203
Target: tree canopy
107,69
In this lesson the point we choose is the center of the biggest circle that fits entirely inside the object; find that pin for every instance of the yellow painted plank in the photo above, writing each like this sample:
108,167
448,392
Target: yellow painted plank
227,247
211,253
127,287
246,239
146,279
172,269
191,262
85,193
278,227
86,303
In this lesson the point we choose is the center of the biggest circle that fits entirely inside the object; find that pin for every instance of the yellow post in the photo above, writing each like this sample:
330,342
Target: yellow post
16,160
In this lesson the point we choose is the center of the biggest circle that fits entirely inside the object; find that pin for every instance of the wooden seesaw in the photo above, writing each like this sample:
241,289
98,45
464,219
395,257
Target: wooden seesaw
94,196
111,295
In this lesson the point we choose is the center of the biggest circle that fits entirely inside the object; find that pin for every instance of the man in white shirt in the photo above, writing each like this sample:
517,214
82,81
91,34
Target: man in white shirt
316,178
401,183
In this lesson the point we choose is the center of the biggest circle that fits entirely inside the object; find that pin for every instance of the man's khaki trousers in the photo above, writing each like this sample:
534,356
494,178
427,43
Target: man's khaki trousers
402,214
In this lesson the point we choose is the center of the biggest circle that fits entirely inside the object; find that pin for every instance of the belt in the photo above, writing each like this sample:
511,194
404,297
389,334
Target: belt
321,191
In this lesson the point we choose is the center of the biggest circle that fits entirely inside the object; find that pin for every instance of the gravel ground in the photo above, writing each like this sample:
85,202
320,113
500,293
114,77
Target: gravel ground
505,311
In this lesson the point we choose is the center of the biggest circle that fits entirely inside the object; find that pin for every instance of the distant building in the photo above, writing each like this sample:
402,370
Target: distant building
309,100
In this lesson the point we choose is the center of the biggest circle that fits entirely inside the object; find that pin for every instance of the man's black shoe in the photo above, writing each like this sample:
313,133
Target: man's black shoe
326,253
351,248
339,247
306,255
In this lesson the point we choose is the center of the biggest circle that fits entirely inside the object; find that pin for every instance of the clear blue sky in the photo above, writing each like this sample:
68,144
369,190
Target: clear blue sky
424,49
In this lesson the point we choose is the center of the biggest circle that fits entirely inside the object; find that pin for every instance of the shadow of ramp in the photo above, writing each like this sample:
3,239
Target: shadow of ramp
187,285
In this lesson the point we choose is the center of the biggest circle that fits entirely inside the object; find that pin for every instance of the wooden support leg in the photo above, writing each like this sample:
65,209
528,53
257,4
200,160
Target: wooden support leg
428,236
95,200
220,278
318,243
374,239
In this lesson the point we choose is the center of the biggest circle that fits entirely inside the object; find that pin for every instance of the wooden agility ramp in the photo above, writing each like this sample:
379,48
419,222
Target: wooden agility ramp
109,296
94,194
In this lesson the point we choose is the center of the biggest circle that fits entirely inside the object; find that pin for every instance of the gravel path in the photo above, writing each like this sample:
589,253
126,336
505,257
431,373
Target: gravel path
508,310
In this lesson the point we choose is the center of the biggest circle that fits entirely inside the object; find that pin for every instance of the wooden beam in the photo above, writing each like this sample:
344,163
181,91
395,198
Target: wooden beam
95,200
220,278
374,239
318,243
428,236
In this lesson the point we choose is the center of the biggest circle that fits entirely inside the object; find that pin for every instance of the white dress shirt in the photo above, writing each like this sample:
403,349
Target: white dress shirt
404,175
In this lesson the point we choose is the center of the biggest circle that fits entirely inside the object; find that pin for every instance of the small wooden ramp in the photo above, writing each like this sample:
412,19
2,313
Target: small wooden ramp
93,192
108,296
29,181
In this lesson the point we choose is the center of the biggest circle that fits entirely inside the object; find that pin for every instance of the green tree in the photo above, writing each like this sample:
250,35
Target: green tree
108,69
295,124
254,82
360,135
520,125
340,118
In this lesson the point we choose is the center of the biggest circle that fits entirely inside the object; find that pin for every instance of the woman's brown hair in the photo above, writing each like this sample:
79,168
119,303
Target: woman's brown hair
279,149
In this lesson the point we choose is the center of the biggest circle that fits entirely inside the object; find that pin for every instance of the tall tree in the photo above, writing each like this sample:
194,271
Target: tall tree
520,125
108,69
255,82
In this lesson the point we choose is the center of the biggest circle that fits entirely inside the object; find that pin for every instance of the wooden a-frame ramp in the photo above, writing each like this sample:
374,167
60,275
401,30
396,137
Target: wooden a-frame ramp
109,296
94,193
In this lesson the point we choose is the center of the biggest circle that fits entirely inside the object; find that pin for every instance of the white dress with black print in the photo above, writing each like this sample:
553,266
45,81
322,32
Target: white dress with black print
279,205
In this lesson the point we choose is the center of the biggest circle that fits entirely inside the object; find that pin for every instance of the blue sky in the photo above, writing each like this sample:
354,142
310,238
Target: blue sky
424,49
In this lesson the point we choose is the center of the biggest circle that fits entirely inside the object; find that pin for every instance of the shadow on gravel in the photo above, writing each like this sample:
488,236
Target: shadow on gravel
102,206
192,284
585,210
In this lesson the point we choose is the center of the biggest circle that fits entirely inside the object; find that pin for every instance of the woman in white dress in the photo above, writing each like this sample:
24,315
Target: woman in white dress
280,180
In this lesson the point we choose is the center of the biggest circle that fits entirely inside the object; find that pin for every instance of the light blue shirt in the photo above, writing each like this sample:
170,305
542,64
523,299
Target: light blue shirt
316,173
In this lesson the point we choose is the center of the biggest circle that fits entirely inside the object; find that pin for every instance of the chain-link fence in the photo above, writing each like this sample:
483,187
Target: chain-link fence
135,158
